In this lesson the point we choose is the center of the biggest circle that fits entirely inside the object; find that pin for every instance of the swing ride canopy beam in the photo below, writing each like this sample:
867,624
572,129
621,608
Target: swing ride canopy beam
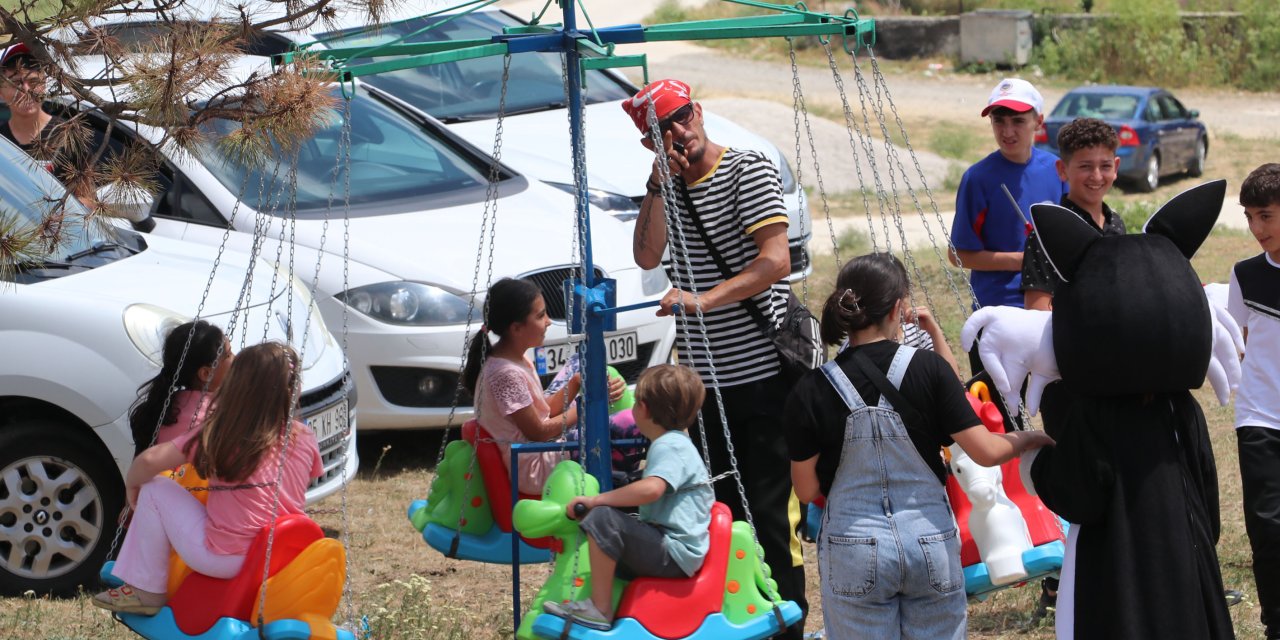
596,46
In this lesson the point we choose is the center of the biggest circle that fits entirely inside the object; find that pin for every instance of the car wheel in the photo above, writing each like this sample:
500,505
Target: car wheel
1151,177
59,502
1197,162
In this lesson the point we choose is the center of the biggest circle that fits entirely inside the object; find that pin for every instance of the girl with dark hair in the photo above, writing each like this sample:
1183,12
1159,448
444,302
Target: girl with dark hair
510,403
251,427
194,361
865,431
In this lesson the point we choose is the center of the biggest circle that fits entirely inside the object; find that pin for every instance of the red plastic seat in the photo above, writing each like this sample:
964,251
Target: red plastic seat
497,480
202,600
676,607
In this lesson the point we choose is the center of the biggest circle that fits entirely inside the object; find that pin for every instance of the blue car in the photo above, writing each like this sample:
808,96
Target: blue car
1158,136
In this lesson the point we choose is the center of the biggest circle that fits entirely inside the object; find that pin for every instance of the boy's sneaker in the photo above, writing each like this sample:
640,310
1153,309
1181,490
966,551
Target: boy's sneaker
583,612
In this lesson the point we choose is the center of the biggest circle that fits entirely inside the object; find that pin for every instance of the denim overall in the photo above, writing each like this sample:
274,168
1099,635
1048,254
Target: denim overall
889,551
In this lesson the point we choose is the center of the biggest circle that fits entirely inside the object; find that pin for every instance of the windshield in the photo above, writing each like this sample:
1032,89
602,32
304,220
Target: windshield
470,89
1104,106
33,207
392,158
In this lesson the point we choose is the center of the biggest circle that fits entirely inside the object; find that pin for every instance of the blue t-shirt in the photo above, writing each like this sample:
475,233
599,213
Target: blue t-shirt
684,510
986,220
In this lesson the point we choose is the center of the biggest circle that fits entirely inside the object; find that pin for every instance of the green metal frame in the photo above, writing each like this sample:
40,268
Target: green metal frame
596,46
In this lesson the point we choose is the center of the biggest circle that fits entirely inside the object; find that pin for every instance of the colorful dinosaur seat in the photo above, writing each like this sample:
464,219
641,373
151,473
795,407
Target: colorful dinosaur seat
303,589
471,520
725,599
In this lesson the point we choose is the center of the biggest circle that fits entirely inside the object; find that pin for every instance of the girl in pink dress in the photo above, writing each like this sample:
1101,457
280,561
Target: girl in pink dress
510,403
247,443
176,399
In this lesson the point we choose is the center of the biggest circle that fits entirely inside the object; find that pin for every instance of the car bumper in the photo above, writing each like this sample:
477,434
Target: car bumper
1133,162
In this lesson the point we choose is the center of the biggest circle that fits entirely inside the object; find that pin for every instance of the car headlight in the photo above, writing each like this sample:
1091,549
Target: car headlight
148,326
615,204
788,178
407,303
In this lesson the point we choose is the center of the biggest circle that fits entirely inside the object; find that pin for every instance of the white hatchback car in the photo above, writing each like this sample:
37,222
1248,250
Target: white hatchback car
80,332
417,202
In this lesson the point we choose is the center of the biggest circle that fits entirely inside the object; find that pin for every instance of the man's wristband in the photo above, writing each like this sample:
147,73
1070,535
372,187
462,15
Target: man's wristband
653,187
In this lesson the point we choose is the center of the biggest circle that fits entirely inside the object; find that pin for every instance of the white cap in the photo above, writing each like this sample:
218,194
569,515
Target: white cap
1016,94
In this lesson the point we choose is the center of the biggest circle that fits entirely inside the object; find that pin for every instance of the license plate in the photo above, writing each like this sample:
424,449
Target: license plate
330,422
621,347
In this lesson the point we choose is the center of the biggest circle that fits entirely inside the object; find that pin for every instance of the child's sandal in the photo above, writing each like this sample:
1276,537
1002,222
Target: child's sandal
124,600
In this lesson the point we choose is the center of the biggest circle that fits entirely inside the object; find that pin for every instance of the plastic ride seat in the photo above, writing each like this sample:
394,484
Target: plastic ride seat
471,520
1044,527
724,600
303,589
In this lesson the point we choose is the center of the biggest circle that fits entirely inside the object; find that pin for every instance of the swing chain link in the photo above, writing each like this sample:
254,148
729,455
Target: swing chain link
855,142
674,224
800,109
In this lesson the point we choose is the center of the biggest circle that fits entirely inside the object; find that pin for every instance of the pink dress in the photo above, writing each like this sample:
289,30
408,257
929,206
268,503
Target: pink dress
506,387
236,515
193,404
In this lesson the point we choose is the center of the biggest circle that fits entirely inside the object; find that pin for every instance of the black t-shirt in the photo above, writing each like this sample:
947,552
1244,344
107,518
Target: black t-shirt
816,415
1037,272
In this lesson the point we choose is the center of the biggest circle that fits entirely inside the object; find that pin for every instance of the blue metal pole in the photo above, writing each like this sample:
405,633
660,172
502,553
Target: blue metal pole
595,418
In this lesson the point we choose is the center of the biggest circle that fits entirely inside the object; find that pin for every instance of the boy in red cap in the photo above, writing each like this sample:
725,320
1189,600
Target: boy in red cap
989,234
728,207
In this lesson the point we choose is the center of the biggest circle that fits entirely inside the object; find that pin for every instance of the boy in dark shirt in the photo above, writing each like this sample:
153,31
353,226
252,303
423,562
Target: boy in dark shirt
1088,164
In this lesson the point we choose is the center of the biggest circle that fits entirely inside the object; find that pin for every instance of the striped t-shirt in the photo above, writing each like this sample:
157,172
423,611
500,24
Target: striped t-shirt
741,194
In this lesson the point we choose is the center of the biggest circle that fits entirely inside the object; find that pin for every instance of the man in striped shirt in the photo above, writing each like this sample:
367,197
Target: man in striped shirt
732,200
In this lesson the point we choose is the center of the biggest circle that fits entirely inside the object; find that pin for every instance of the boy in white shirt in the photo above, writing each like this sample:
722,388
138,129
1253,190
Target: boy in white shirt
1255,304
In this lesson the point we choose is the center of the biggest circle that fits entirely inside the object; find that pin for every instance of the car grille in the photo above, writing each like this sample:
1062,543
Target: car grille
629,370
403,386
800,259
333,451
551,283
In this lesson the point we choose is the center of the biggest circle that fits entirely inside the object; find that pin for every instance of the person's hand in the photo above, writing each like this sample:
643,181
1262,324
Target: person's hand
617,387
574,385
1014,342
1031,440
677,162
688,302
586,501
921,316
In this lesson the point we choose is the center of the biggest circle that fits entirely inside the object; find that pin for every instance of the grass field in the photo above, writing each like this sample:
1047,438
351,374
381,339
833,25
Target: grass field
406,591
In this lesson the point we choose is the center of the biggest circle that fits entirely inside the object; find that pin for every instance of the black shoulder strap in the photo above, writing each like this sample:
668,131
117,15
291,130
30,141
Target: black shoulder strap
753,310
910,417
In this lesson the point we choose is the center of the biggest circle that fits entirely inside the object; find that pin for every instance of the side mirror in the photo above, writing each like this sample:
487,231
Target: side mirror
130,203
1193,113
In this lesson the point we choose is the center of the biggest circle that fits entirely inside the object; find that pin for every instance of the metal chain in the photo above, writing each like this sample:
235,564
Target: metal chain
851,127
674,224
950,275
798,107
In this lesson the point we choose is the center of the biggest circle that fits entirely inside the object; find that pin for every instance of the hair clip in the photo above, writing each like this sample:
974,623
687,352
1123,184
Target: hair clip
854,300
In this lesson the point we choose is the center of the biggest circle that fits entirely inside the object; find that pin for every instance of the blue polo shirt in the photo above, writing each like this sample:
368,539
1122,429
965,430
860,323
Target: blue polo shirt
986,220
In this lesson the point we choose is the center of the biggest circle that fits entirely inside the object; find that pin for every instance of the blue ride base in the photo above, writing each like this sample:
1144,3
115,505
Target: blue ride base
1042,561
494,546
715,627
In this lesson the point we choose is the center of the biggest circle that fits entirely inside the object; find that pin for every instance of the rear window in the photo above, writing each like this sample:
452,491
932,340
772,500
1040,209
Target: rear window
1104,106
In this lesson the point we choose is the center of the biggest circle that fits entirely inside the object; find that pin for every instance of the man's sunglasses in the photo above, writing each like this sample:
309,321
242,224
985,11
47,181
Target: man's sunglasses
681,116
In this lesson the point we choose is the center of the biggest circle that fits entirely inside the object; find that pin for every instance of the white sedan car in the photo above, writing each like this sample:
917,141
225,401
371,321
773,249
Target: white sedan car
80,331
400,290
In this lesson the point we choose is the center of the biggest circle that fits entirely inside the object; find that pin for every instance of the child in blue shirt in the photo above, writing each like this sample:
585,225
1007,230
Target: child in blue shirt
671,537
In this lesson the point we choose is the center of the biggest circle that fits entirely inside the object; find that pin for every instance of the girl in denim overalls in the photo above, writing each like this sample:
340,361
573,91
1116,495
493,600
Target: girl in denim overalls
889,551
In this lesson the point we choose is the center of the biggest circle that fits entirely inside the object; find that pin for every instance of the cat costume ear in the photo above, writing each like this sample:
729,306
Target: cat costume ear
1188,218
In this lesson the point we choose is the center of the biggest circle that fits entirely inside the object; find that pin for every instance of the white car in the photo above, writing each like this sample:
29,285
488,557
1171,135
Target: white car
80,333
417,202
464,95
